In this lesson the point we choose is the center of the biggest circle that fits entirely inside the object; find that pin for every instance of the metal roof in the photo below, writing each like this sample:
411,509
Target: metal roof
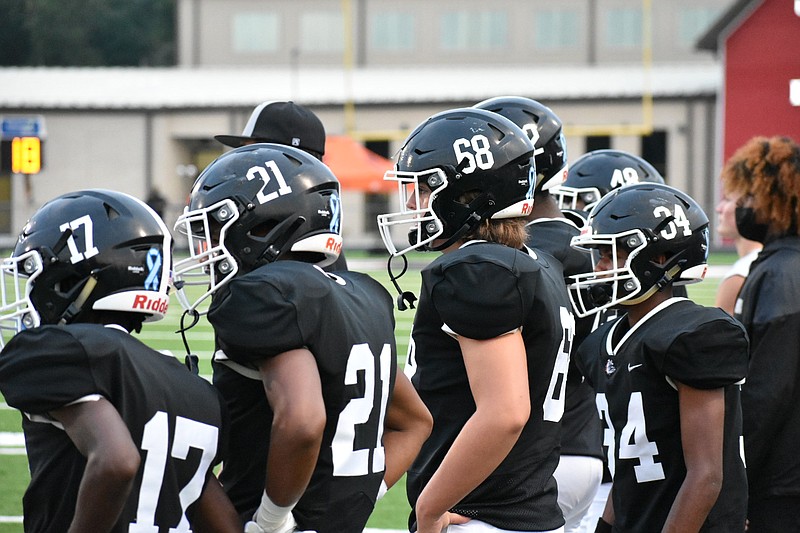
184,88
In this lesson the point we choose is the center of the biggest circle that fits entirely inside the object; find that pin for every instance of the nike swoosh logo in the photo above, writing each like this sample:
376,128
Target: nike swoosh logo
631,367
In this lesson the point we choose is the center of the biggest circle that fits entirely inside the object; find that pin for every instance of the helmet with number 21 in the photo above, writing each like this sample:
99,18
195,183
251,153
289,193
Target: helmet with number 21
653,235
251,206
474,163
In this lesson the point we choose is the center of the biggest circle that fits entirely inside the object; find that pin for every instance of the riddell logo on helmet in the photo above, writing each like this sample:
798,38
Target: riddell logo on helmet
526,208
145,303
334,245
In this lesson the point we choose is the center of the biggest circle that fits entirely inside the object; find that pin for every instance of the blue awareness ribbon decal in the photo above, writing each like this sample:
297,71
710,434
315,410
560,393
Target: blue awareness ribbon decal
531,181
336,215
154,267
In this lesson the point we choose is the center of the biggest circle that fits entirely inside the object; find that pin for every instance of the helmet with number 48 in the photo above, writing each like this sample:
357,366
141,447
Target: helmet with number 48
653,234
474,163
596,173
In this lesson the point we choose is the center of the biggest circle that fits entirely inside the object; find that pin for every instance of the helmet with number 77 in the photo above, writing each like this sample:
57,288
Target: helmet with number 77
86,252
477,165
662,234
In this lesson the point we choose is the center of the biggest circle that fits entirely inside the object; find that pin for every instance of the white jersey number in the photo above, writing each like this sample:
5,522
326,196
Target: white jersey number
347,461
155,441
634,444
554,401
608,430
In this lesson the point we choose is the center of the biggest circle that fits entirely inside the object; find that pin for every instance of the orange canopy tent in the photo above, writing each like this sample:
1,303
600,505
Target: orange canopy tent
357,167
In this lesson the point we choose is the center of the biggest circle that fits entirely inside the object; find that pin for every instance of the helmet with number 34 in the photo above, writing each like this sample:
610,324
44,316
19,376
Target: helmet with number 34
477,165
83,252
663,233
251,206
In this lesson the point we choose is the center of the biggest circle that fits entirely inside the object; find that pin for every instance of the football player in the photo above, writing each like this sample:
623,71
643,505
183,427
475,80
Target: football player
666,372
597,173
764,174
580,468
489,351
119,437
323,420
286,123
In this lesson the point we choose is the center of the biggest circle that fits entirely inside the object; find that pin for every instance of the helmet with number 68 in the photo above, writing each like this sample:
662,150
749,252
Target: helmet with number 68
84,252
476,165
653,234
252,206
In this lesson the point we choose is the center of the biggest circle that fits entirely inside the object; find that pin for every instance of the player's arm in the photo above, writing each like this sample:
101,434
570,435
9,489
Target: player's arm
112,461
408,425
728,291
214,512
607,517
294,392
702,415
498,377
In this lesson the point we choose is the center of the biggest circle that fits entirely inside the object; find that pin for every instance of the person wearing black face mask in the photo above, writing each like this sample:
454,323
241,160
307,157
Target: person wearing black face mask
765,175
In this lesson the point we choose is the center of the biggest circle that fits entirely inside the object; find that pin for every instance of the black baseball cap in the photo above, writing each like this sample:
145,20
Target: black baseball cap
281,123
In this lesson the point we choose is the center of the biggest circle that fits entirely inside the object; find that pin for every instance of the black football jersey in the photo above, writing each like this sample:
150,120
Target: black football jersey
553,235
482,291
175,418
769,308
633,371
346,320
581,432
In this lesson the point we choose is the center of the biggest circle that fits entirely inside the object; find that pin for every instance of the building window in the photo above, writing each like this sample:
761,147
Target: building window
597,142
654,151
322,31
474,30
255,32
556,29
693,22
623,28
392,32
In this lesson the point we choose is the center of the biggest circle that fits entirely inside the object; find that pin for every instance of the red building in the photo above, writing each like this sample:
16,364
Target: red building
759,42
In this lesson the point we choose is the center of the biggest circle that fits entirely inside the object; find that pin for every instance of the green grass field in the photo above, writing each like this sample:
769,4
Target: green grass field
390,513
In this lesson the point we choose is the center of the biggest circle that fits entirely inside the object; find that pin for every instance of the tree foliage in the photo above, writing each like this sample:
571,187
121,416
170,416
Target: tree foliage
87,32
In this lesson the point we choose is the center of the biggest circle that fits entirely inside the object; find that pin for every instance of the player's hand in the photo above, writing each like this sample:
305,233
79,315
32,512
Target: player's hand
252,527
440,523
287,526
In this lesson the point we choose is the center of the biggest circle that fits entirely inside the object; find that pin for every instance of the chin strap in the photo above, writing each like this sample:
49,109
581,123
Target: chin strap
472,221
191,360
478,205
77,304
405,299
665,280
286,230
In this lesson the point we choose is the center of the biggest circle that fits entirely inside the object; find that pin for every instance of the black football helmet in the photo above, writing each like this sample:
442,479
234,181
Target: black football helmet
543,127
95,250
252,206
596,173
477,164
646,220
